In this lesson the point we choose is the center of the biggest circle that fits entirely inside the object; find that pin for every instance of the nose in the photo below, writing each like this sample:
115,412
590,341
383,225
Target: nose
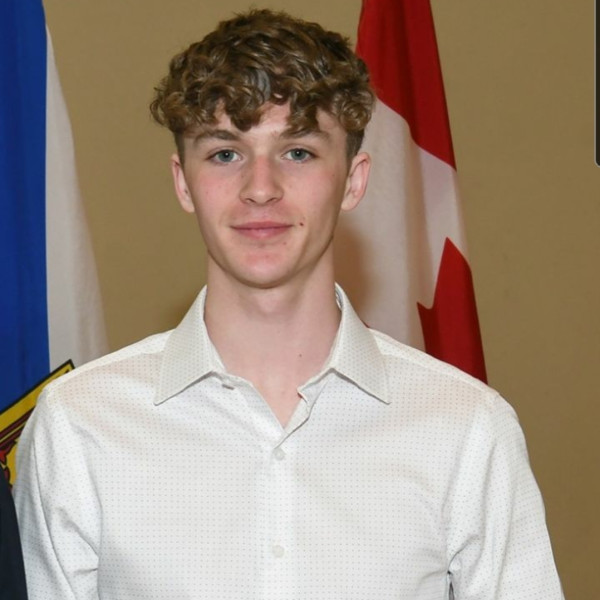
262,182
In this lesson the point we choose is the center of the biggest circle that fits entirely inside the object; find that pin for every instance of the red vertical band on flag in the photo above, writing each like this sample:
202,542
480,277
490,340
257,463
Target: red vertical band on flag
450,326
396,38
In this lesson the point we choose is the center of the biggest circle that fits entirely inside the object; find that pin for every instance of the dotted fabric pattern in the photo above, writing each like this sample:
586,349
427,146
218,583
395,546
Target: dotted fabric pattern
153,474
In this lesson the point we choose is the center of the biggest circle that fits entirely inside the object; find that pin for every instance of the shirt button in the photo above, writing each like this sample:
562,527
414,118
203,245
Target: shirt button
279,453
278,551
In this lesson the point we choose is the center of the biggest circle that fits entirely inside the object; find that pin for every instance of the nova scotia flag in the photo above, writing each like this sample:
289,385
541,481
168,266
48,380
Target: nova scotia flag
50,309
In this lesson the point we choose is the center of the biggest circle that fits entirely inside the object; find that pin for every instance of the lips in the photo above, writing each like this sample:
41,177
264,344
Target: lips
262,229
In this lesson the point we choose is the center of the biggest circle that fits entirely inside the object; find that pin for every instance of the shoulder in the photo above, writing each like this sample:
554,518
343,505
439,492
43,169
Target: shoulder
78,412
432,385
128,371
464,423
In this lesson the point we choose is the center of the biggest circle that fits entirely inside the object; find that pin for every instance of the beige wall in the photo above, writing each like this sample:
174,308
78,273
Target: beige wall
519,81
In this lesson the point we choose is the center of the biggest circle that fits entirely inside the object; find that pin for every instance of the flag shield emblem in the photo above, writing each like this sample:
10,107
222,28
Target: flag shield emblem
14,417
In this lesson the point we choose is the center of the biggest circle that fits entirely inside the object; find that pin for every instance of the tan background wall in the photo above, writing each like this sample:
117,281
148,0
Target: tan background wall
519,82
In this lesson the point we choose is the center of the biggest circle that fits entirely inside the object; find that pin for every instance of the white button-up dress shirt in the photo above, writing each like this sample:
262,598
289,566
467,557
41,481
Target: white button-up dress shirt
152,474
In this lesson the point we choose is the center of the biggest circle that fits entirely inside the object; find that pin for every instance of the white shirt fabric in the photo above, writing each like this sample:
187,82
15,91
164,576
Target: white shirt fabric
153,474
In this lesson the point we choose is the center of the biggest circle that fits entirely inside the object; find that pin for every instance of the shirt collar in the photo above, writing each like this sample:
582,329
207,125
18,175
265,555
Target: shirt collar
190,356
355,354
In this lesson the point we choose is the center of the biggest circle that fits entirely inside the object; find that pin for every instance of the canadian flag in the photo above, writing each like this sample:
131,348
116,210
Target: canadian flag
401,255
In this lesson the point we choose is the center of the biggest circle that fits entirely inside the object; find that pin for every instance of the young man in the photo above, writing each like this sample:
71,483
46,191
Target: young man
272,446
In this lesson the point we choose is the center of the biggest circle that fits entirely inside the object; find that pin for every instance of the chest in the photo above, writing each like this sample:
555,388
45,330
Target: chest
347,499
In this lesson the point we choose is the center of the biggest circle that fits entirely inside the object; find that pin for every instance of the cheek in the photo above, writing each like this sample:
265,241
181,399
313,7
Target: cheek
211,185
325,205
211,198
208,215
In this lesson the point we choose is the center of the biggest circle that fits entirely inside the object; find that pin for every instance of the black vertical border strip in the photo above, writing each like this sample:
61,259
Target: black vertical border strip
596,99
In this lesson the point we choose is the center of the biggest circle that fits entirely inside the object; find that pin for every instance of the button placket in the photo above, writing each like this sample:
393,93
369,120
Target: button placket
280,534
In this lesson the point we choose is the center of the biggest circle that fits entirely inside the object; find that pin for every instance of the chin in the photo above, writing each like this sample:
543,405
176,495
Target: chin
262,274
262,282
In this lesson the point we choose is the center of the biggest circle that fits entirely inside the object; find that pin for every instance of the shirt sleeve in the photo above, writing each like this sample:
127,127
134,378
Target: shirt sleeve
498,543
58,515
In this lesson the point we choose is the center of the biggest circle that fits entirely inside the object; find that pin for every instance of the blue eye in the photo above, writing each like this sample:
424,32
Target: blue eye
225,156
299,154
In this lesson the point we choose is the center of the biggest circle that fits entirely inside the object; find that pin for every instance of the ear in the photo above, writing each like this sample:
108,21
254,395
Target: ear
356,183
181,187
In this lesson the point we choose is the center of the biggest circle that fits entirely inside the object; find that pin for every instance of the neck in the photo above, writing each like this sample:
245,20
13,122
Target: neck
275,338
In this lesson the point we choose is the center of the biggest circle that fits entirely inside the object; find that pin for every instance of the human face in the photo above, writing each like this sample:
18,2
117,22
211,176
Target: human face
266,200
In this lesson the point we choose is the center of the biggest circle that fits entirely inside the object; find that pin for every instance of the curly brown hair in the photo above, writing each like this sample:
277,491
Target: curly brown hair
262,57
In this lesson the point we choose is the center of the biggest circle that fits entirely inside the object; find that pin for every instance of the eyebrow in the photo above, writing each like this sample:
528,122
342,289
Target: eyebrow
231,136
319,133
219,134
